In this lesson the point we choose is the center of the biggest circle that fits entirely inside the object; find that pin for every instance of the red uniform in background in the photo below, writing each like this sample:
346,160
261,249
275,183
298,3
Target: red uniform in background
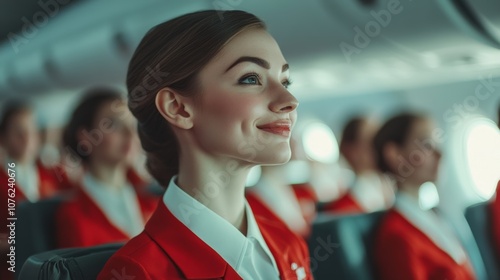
80,222
307,198
404,252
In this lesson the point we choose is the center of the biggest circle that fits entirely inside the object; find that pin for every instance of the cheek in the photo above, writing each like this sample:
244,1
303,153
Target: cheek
233,110
110,143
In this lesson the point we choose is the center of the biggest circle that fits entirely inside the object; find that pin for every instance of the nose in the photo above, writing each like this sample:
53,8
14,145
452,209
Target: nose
284,101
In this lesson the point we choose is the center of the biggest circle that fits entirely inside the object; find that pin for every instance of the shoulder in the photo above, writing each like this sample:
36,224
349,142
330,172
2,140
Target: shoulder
141,257
394,229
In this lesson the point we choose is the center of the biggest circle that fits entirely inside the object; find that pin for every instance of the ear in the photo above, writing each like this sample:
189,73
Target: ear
175,108
391,153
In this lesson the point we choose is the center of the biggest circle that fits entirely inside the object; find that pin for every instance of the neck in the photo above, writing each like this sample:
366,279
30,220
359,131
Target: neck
219,184
113,176
274,175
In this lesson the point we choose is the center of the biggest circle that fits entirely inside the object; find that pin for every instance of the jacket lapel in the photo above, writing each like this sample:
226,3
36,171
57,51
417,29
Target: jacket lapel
288,258
190,254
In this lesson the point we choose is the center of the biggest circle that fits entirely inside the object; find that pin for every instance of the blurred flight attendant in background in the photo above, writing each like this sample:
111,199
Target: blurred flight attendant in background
413,243
107,206
20,139
369,191
217,105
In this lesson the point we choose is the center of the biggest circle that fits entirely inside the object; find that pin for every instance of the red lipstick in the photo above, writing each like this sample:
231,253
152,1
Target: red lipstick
281,127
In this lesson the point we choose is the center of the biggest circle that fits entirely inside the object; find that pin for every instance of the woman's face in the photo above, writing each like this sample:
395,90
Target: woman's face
111,136
244,110
419,154
21,137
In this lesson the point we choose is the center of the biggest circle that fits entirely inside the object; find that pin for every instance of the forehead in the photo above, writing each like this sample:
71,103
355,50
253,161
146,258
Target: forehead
250,42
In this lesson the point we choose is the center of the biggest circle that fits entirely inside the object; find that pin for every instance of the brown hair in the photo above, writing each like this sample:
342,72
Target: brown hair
84,116
396,130
350,133
172,54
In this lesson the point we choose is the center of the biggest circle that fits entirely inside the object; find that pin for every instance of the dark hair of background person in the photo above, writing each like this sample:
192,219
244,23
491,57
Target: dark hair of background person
396,130
350,133
172,54
84,117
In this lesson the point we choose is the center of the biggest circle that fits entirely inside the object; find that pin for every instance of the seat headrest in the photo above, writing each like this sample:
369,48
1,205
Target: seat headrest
69,263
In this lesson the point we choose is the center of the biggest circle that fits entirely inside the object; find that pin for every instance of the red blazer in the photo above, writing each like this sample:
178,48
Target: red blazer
81,223
495,207
403,252
167,249
344,205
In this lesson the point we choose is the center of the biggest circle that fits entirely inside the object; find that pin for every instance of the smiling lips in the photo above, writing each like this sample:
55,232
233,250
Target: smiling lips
282,128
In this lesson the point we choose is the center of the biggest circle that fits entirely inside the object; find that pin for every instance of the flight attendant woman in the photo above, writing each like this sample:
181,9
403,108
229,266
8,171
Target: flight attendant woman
412,243
209,90
107,207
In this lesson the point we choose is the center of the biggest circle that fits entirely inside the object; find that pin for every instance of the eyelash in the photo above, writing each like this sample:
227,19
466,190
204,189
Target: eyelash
286,83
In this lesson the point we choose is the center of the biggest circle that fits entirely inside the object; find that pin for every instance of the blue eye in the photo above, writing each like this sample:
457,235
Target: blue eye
251,79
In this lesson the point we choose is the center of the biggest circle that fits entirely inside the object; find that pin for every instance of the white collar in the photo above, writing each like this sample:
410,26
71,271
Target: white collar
208,225
368,192
119,205
429,224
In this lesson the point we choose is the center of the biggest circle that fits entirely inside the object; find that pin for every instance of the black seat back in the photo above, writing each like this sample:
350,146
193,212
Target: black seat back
341,246
480,221
68,263
36,227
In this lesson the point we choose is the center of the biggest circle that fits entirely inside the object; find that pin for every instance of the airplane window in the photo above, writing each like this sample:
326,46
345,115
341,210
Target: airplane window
320,143
482,154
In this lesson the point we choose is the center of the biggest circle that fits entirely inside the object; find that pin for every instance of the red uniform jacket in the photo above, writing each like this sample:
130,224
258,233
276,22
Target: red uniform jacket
80,222
402,251
344,205
167,249
495,207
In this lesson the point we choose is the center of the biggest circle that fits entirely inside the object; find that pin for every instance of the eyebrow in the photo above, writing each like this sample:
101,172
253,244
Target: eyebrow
259,61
